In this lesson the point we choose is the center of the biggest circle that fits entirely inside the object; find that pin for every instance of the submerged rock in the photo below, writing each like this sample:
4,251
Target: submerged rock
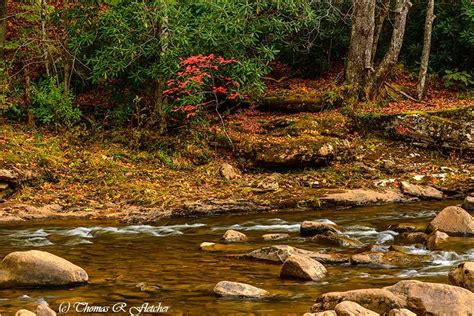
309,228
434,298
280,253
390,258
39,269
454,221
348,308
236,289
302,267
424,192
232,236
463,275
378,300
274,237
406,228
333,239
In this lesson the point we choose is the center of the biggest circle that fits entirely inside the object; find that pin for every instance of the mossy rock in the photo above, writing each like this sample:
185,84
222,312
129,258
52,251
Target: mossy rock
293,102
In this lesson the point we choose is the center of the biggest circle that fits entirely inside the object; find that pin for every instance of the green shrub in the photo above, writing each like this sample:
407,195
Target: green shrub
458,79
51,106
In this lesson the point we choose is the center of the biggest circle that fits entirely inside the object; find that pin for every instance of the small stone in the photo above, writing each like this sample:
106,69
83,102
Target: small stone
273,237
435,239
303,268
236,289
348,308
145,287
232,236
309,228
227,171
463,275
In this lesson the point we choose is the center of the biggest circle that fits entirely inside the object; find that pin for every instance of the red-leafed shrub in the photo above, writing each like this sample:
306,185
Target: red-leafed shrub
203,83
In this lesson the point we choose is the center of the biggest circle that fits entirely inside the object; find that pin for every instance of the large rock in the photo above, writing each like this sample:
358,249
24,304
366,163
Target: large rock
378,300
8,176
463,275
401,312
333,239
309,228
414,238
44,310
423,192
24,312
236,289
231,236
468,203
434,298
325,313
348,308
39,269
302,267
454,221
390,258
360,197
280,253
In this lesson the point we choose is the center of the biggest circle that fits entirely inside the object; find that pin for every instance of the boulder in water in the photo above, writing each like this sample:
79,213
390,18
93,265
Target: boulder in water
44,310
414,238
279,253
325,313
434,298
303,268
24,312
232,236
378,300
348,308
468,203
463,275
309,228
236,289
389,258
454,221
333,239
436,239
39,269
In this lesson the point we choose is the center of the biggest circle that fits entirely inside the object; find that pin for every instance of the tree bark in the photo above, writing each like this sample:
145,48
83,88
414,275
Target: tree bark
3,28
360,49
66,57
44,36
161,100
425,56
391,57
383,12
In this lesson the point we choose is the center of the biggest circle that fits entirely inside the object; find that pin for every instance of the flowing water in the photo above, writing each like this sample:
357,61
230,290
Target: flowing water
167,257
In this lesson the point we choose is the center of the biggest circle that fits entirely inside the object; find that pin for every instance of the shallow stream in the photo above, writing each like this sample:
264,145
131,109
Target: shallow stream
179,275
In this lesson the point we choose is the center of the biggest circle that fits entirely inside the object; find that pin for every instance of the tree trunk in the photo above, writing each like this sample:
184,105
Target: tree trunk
29,114
425,56
360,50
44,36
391,57
66,57
383,12
3,28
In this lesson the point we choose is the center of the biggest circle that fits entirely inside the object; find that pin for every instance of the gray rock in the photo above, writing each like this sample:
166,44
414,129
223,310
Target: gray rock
309,228
348,308
232,236
454,221
236,289
463,275
303,268
39,269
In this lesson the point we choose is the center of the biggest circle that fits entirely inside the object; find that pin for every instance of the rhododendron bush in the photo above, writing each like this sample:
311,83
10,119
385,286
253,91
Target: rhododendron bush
203,82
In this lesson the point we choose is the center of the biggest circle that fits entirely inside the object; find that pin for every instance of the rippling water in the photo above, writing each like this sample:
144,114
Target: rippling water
167,257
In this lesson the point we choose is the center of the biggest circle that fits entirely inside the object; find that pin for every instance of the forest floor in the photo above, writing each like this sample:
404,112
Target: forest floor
281,160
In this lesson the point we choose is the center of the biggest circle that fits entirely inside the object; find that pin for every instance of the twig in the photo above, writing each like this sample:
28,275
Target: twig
406,95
